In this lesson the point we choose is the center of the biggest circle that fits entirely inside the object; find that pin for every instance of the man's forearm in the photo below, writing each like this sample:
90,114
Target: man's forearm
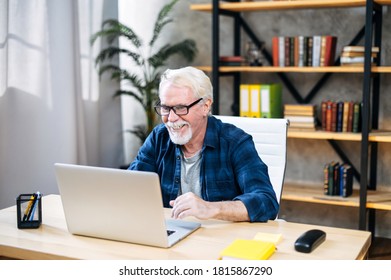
234,211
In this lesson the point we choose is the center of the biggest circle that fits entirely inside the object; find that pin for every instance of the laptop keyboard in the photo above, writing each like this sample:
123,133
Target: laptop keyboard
169,232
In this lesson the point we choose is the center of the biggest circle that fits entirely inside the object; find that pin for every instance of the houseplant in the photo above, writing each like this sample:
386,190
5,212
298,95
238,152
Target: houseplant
148,59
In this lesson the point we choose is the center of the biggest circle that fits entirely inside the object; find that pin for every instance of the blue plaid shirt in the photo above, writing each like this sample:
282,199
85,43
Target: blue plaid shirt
230,168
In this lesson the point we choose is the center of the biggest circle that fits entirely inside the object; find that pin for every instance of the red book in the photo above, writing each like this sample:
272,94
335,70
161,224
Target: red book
287,48
329,114
350,117
330,48
275,51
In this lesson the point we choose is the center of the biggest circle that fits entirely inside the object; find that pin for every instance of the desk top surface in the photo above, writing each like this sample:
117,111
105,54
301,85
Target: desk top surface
53,241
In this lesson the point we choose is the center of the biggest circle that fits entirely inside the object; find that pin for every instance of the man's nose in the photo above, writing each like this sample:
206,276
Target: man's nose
172,116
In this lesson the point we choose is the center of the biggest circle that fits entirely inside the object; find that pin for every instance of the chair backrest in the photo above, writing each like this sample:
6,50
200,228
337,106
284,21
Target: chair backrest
270,136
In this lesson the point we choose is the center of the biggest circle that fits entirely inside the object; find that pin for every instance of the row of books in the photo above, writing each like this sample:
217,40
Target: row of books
261,100
338,179
300,116
318,50
341,116
354,55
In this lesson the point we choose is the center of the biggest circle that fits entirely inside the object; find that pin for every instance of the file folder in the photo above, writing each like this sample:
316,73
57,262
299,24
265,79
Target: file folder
244,100
271,101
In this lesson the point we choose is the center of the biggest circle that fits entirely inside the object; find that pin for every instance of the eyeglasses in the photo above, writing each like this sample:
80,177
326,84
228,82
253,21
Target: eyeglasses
179,110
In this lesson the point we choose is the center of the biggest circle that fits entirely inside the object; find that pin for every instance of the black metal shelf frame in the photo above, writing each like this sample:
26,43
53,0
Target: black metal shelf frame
371,32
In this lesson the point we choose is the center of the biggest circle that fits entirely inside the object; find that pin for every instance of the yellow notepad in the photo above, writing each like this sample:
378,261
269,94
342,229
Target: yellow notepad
269,237
247,249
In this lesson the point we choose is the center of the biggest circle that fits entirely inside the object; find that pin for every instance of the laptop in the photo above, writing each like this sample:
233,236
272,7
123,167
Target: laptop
117,204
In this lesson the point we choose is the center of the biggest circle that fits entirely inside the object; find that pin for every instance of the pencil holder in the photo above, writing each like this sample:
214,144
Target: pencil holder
29,210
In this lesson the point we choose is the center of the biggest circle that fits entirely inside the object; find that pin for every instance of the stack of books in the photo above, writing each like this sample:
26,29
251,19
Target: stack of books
338,179
354,55
301,117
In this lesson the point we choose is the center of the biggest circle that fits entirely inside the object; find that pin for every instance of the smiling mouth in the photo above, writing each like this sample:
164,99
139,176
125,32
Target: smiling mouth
177,127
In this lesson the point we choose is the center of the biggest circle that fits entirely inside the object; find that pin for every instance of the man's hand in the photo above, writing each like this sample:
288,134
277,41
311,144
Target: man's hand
190,204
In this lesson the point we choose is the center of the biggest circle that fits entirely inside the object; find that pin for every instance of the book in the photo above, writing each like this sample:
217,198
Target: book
301,119
301,51
345,116
340,110
332,167
244,100
310,43
316,50
358,49
346,180
326,179
281,51
231,58
300,108
334,116
275,51
356,117
356,54
356,59
350,116
271,101
287,51
331,45
323,112
303,125
248,249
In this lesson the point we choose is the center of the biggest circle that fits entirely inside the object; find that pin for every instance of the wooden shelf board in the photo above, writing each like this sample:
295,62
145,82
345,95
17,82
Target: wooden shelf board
380,136
380,200
376,136
323,135
279,5
383,2
294,69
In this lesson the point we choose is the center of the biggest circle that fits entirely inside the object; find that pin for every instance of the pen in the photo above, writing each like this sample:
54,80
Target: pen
32,212
26,212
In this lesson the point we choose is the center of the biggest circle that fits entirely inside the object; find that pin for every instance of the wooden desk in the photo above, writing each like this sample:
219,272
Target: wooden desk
53,241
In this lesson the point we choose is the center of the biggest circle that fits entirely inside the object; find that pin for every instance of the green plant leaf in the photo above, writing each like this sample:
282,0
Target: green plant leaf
110,52
162,20
142,74
186,48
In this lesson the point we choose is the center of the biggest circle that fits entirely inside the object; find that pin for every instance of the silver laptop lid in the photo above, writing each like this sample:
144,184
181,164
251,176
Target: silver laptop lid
113,204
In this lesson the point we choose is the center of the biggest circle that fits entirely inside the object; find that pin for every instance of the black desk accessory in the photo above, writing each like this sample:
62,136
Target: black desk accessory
29,210
308,241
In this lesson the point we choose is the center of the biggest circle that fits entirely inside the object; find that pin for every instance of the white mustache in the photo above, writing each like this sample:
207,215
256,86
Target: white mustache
176,125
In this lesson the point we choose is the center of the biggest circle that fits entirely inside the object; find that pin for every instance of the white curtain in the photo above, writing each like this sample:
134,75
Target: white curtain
53,107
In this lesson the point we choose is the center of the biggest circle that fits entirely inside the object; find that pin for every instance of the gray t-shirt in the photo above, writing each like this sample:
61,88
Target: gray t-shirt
190,174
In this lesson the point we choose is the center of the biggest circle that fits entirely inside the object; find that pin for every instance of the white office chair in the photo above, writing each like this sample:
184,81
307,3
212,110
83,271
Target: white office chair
270,137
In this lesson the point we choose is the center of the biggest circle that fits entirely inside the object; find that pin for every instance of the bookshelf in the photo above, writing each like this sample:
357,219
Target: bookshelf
367,199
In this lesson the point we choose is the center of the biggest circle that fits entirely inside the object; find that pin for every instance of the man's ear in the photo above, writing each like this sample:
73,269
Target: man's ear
207,106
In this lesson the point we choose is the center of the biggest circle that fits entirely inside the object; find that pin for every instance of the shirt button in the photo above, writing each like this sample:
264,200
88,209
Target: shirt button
176,180
178,157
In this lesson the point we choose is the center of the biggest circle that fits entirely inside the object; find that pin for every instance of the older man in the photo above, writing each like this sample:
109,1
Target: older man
208,169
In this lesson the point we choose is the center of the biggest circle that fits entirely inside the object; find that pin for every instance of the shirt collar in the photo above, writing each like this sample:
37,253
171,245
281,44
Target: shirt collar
212,132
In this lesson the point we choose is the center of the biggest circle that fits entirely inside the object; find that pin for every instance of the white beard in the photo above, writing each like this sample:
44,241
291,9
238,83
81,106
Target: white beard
179,137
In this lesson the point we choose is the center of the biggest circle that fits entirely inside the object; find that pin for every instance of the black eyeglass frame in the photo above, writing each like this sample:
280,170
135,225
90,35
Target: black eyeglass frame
175,108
